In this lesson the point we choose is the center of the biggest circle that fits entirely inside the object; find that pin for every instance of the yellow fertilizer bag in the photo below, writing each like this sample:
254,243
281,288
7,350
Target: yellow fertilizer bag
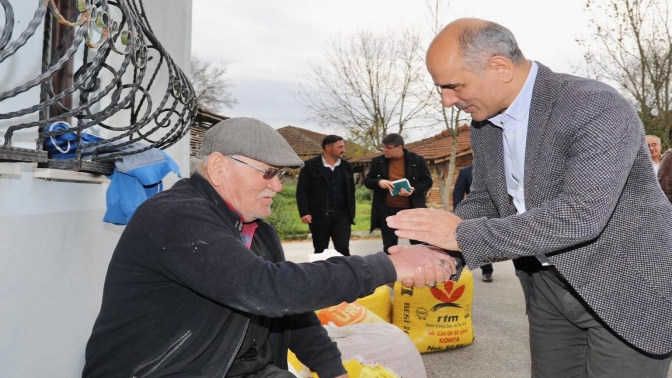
380,302
354,368
357,369
436,318
347,313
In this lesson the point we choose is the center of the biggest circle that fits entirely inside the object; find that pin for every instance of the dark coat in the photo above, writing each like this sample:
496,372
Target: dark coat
417,173
665,174
313,190
182,287
593,205
462,184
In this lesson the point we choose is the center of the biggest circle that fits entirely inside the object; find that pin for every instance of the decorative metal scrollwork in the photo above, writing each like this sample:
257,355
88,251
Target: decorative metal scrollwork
120,62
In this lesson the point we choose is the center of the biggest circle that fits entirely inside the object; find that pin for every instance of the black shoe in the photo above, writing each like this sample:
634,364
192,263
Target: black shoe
487,278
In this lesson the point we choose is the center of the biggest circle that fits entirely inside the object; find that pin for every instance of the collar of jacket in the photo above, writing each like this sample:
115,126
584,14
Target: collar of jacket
209,192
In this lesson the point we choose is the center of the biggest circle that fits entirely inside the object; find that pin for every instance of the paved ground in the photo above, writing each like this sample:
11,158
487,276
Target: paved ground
501,347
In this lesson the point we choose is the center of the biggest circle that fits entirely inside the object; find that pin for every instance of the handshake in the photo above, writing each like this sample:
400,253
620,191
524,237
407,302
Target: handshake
424,265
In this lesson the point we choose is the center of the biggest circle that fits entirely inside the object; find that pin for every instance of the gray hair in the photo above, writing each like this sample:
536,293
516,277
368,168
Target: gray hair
480,43
197,164
654,136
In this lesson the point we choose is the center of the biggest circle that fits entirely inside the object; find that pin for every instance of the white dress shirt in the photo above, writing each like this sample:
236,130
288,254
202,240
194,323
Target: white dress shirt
324,162
513,122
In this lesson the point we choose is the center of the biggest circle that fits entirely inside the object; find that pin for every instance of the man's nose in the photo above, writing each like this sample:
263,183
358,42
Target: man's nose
274,184
448,97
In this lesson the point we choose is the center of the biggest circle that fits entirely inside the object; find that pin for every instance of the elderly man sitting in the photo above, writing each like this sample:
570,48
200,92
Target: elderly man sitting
198,285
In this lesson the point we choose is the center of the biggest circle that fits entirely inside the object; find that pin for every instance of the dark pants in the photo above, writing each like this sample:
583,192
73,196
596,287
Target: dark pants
335,226
486,269
568,341
389,237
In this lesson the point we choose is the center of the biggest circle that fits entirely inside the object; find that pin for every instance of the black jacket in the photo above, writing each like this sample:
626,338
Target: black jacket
312,190
181,286
462,184
417,173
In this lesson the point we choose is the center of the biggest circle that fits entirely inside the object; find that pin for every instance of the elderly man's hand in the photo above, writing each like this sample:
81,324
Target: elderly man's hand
435,227
421,265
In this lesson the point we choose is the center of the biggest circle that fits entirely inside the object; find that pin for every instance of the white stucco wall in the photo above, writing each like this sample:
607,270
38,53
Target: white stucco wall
54,246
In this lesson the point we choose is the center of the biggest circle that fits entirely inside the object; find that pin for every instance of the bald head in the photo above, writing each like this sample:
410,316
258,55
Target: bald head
478,67
476,41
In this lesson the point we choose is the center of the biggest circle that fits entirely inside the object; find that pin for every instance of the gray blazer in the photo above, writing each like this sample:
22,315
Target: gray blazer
593,205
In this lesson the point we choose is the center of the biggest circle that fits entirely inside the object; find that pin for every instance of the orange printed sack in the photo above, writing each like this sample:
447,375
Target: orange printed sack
436,318
347,313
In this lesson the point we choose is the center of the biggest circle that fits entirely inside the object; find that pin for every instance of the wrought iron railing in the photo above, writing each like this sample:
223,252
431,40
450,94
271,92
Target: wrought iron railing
99,60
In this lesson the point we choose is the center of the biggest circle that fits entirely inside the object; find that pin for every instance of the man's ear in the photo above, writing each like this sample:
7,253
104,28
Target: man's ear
501,67
215,166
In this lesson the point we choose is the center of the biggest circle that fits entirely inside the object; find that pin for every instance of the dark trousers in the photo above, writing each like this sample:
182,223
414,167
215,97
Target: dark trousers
336,226
487,269
568,341
389,237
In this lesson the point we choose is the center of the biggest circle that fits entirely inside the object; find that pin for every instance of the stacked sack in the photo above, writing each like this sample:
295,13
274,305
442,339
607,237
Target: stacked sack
437,318
423,320
371,347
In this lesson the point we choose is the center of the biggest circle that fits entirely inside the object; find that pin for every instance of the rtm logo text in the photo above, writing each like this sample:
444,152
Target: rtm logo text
447,319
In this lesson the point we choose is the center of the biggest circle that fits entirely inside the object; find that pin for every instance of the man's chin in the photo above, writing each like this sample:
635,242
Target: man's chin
478,117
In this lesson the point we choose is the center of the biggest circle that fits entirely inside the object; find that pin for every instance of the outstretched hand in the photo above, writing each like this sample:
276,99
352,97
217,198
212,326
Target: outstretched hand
435,227
421,265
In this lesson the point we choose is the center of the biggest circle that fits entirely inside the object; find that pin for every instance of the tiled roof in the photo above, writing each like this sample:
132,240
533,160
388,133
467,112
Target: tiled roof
304,142
434,149
308,143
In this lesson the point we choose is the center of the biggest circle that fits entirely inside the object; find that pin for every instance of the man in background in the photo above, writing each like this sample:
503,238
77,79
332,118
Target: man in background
396,163
461,189
654,150
665,174
198,285
325,196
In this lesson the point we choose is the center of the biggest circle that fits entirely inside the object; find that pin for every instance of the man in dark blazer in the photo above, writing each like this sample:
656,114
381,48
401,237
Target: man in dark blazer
460,190
325,195
396,163
562,184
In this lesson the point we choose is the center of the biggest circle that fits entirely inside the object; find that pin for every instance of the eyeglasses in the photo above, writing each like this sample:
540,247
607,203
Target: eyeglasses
269,173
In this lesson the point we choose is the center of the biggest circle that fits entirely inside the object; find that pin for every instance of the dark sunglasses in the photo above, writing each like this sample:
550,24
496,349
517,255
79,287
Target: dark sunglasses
269,173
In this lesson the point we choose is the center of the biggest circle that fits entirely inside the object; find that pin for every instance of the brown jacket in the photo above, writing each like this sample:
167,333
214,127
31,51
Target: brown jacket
665,174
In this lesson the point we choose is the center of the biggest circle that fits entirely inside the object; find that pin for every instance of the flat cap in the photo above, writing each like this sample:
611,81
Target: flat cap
251,138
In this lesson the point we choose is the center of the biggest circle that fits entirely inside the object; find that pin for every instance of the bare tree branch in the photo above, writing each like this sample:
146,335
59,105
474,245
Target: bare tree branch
211,85
371,85
631,46
450,118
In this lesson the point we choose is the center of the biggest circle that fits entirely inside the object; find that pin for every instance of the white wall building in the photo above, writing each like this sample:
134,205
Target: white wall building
54,246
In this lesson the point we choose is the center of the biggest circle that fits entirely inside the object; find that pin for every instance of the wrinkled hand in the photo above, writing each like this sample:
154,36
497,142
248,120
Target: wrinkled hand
435,227
421,265
307,219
